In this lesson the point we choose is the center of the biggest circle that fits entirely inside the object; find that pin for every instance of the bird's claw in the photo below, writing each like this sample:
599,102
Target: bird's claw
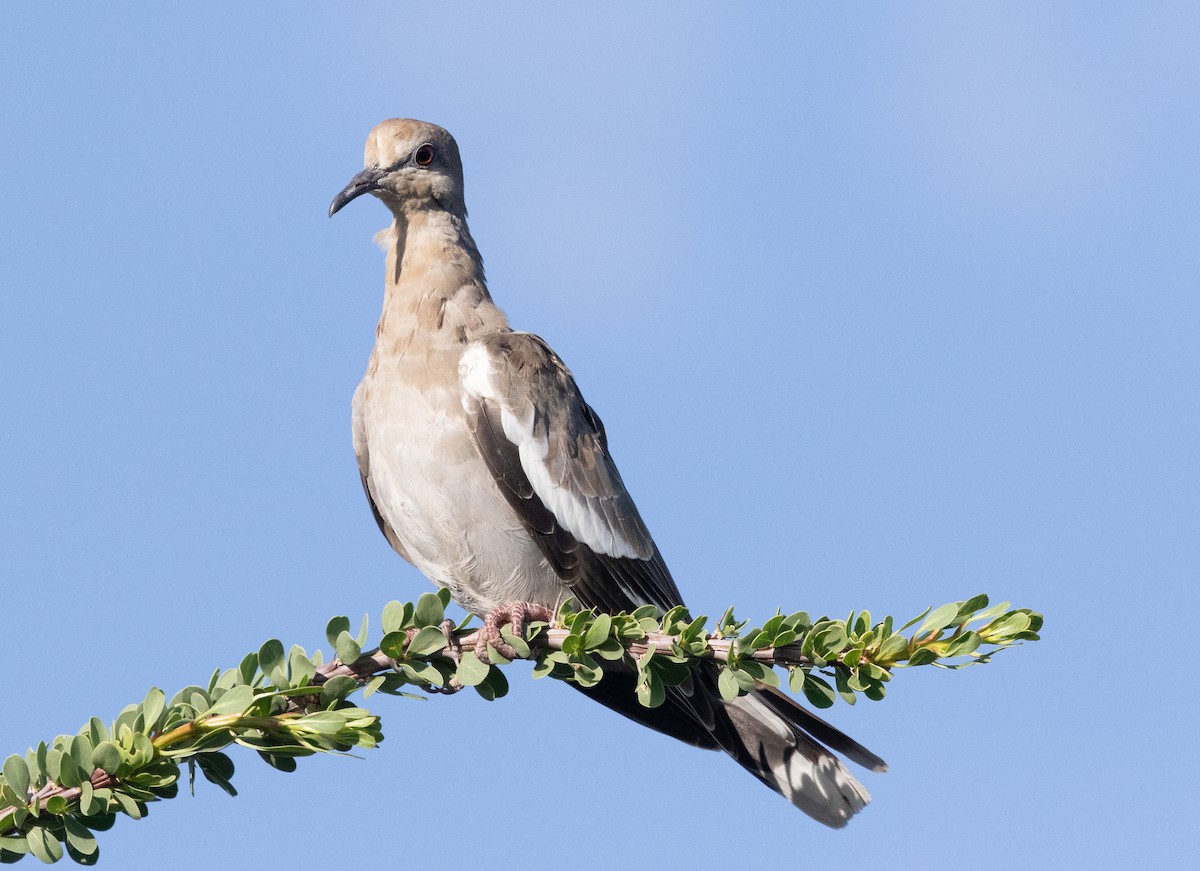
513,613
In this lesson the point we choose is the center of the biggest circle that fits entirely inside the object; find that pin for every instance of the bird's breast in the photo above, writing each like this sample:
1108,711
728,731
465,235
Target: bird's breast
434,490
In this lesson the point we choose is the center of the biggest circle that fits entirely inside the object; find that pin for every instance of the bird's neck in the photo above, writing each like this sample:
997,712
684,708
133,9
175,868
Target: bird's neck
436,295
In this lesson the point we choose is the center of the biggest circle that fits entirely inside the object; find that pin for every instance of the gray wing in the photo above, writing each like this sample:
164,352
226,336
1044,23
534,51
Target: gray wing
548,452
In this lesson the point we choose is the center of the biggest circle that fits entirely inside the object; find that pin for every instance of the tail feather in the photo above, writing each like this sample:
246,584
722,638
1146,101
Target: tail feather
831,736
790,762
766,732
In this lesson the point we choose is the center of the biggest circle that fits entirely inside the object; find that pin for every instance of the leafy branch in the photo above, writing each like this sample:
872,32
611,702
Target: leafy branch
287,705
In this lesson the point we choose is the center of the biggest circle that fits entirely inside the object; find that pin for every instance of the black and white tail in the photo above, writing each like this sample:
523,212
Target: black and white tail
784,745
774,741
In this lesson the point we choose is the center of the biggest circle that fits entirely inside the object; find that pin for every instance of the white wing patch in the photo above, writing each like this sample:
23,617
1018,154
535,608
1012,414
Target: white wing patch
581,516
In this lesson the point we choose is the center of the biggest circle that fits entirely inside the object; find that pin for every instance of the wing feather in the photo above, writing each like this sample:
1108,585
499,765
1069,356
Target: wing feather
548,452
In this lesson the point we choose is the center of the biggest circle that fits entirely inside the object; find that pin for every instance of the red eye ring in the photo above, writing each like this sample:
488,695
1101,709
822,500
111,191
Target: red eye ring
424,155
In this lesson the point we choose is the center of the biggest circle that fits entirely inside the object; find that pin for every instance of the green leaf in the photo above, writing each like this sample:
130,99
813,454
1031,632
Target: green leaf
586,671
1008,626
922,656
17,846
337,688
915,620
335,627
107,757
993,612
363,628
279,763
829,640
845,687
152,708
650,690
759,671
939,619
44,845
495,656
301,669
104,819
16,775
610,650
82,859
796,676
234,701
131,806
396,616
271,661
885,629
495,687
248,667
675,619
597,633
756,641
217,768
963,644
798,622
38,760
321,722
346,647
784,638
373,684
81,753
517,644
892,649
728,685
876,672
428,640
643,612
744,678
420,672
471,670
969,607
57,805
553,662
818,691
97,731
88,806
430,610
69,774
392,644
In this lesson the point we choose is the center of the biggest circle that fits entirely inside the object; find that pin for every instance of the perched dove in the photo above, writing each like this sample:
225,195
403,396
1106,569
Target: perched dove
487,470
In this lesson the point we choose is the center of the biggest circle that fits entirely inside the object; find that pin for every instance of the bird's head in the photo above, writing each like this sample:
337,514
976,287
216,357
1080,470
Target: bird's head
409,165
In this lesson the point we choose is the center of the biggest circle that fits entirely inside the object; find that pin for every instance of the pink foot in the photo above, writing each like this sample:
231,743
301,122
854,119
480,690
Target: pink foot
513,613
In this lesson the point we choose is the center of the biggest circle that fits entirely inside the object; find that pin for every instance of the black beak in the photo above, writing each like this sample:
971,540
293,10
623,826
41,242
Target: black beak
363,183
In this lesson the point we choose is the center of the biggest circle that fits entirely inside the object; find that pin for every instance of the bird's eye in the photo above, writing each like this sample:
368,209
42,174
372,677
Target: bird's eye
423,156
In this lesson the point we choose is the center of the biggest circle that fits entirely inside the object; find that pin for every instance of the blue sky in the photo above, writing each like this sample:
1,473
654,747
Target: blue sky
882,307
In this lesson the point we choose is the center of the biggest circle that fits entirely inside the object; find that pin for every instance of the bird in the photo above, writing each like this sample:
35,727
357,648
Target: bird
487,470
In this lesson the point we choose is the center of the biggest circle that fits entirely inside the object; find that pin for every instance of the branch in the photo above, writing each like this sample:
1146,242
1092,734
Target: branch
289,705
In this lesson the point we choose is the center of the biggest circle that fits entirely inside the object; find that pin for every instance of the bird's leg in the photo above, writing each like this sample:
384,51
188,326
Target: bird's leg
513,613
447,626
454,652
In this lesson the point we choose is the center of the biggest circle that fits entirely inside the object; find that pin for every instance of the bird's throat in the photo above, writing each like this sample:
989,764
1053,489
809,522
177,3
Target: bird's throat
436,295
